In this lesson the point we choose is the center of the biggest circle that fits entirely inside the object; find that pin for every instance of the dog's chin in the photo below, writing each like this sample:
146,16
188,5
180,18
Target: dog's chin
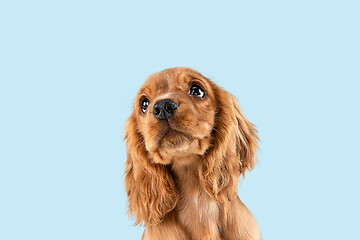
172,145
174,142
176,146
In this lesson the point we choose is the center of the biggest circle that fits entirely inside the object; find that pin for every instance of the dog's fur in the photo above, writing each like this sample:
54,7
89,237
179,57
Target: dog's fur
182,174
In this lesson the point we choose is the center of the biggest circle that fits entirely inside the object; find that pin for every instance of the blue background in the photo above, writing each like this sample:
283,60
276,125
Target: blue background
69,73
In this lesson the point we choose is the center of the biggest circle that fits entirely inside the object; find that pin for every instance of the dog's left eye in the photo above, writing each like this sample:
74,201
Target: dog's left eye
197,90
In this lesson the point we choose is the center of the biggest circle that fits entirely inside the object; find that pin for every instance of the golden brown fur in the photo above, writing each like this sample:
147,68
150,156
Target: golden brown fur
182,173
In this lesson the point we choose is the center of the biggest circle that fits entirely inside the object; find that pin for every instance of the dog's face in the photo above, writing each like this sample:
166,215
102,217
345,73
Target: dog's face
180,118
175,112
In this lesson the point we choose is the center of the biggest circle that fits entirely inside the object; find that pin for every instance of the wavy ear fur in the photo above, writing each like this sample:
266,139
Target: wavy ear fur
150,187
232,151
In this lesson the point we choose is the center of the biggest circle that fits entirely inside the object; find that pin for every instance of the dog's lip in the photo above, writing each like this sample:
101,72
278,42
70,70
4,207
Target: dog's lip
171,131
172,125
170,128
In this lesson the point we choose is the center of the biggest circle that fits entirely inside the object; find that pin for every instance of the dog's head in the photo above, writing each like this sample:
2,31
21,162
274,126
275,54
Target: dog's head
182,118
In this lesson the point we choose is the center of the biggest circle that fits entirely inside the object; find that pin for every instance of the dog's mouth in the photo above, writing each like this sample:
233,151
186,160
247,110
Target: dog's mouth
173,142
174,138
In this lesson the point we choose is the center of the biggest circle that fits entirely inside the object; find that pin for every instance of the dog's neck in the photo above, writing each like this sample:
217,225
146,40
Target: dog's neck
195,206
185,172
186,177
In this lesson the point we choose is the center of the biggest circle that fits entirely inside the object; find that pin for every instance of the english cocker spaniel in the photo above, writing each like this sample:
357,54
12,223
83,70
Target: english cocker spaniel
187,145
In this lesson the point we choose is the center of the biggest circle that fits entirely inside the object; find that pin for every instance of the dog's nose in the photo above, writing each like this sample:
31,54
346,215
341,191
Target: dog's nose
164,109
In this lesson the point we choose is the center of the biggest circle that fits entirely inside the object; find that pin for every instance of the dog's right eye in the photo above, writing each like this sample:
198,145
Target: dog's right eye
144,105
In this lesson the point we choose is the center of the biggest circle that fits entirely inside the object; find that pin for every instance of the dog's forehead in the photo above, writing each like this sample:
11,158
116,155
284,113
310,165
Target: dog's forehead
169,80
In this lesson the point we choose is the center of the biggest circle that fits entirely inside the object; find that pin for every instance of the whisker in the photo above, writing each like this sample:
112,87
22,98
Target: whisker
140,143
217,131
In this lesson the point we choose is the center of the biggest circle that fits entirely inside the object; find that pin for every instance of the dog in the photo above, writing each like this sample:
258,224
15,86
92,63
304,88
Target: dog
187,144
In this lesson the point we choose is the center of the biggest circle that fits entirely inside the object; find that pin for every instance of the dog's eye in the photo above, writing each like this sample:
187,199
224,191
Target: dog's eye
144,104
197,90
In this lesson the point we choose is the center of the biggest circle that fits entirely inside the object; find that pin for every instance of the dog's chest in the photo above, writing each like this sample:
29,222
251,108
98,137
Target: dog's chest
197,210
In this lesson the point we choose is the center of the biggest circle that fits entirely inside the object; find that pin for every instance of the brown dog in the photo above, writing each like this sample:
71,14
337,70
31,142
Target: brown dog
187,144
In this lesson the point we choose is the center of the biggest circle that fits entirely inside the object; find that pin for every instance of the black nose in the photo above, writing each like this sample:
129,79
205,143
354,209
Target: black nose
164,109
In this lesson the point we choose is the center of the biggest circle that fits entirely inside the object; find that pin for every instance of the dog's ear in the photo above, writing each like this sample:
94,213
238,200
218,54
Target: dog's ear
150,187
233,148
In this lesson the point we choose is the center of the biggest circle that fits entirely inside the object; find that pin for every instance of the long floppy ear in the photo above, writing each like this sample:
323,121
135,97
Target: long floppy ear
150,187
232,151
